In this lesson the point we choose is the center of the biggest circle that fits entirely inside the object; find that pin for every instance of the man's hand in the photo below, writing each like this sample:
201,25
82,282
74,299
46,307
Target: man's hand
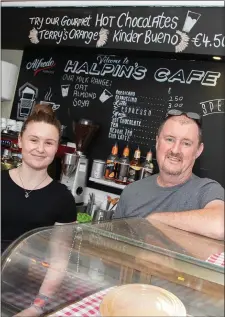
29,312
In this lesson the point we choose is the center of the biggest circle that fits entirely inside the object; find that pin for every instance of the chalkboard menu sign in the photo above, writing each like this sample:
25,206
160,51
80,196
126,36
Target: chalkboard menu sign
191,30
127,95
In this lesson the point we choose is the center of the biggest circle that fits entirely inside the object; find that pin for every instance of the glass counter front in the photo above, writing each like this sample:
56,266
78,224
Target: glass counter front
103,255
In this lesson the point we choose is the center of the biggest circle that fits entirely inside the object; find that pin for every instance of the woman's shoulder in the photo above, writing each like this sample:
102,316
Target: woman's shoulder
7,184
66,206
60,188
5,176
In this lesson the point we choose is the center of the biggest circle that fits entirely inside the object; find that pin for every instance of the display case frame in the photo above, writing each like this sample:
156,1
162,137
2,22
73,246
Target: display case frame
133,249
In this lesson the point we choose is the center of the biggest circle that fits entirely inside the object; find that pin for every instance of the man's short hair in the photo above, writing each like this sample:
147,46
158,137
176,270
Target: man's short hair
167,118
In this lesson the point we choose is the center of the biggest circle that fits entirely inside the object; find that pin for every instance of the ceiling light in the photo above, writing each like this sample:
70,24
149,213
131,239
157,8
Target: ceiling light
217,58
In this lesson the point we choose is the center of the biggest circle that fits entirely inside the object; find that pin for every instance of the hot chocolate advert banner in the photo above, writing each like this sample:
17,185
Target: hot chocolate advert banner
178,30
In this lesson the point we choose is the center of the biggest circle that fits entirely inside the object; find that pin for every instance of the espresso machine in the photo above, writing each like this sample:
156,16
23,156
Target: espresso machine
75,165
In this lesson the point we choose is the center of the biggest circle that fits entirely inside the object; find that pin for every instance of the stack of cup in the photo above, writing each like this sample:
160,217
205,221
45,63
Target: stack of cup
11,126
3,124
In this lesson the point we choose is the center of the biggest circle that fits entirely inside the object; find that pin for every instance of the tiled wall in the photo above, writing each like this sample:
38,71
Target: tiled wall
13,57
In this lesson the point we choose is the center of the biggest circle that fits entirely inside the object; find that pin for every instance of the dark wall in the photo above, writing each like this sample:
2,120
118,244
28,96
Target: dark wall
127,94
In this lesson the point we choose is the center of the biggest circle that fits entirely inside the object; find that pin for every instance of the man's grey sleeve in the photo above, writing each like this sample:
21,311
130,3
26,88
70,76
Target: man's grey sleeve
120,209
211,191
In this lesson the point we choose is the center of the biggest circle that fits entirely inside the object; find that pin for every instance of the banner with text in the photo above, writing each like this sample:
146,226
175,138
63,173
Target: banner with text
163,29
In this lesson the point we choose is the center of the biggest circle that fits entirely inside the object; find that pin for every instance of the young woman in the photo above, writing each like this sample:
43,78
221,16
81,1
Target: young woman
30,197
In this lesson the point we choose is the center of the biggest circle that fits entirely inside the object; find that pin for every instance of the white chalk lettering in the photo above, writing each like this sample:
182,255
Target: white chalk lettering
195,75
68,77
161,74
122,36
160,21
81,87
179,76
101,82
67,21
40,63
131,122
208,78
37,22
81,103
52,21
126,98
102,20
84,94
133,71
109,59
82,80
161,37
126,93
214,106
52,35
88,36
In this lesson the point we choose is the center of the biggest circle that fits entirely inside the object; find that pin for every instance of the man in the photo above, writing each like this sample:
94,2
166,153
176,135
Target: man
176,196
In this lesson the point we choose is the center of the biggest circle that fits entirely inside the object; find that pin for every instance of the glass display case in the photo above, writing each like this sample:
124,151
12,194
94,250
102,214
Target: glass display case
88,259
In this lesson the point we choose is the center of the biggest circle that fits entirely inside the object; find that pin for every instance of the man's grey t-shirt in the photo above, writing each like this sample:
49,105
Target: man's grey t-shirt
141,198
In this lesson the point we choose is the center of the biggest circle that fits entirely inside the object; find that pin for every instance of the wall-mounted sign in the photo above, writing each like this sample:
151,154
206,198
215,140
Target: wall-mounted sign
126,95
163,29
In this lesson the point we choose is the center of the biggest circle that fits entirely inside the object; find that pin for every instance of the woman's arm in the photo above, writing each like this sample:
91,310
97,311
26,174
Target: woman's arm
60,246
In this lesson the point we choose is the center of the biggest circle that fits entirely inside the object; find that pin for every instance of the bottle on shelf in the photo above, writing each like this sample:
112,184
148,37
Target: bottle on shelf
17,159
6,160
122,167
135,167
147,167
111,163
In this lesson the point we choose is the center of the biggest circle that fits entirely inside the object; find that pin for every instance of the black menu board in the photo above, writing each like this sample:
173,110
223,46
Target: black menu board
181,30
127,95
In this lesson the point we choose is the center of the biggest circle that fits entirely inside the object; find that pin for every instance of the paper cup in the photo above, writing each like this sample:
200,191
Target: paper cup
3,123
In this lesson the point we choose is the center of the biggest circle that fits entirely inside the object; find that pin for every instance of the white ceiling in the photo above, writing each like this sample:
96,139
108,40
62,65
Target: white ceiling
82,3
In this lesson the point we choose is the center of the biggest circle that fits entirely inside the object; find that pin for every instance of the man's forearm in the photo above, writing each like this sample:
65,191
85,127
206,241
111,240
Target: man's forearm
206,222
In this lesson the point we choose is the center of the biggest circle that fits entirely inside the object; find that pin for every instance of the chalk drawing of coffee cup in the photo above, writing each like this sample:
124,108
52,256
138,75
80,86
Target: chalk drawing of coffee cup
65,90
55,107
190,21
105,95
26,102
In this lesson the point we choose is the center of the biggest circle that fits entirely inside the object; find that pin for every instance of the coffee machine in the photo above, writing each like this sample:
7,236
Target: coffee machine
75,165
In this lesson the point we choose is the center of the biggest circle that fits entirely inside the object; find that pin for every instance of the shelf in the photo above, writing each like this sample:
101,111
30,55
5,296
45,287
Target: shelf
106,183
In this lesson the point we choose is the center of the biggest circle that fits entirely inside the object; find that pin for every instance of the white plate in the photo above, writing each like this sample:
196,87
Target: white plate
141,300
